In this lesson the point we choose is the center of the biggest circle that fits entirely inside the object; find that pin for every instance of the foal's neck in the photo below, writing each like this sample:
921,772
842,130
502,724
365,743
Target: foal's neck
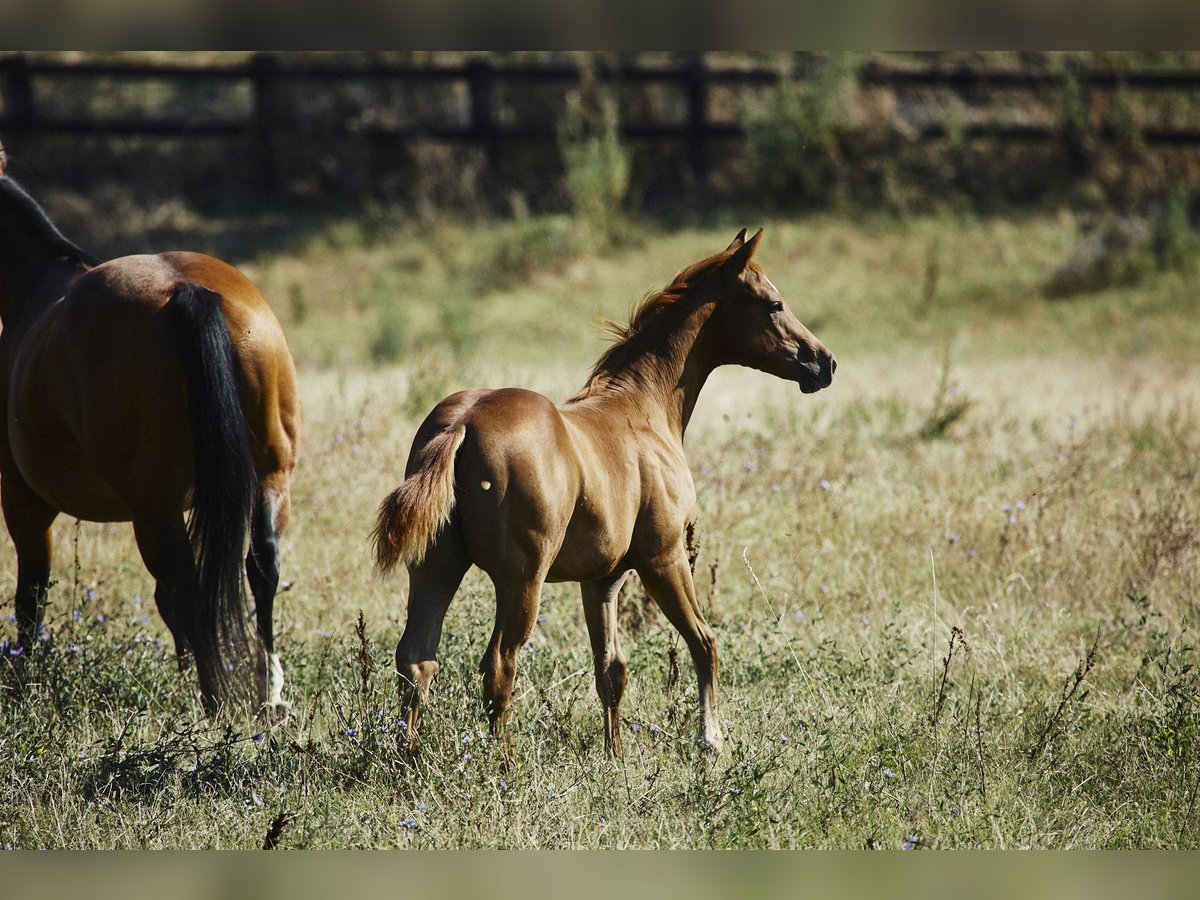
671,362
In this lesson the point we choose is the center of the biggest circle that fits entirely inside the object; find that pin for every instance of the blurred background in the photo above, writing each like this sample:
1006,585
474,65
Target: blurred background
134,149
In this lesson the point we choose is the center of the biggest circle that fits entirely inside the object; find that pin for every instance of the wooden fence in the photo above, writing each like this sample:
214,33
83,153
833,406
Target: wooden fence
694,81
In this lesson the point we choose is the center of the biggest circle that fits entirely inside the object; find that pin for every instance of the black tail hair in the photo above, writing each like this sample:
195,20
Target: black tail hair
225,484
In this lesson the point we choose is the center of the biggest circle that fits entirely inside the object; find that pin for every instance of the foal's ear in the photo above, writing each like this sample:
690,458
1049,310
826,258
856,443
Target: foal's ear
737,241
741,256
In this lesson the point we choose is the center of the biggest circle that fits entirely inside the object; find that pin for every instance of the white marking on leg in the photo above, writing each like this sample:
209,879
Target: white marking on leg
275,681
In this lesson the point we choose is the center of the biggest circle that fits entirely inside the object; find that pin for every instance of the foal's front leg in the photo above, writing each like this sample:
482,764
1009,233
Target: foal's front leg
669,581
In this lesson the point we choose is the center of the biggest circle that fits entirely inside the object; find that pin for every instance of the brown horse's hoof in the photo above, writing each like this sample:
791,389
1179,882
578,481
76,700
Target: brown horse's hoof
273,713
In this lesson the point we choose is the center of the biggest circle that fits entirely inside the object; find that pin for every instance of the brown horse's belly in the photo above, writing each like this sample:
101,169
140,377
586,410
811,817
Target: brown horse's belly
68,482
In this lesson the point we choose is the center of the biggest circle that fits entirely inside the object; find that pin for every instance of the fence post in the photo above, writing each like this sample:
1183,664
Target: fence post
18,95
268,109
697,124
481,80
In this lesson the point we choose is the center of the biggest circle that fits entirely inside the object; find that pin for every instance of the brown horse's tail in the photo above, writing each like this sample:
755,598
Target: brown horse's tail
225,485
412,516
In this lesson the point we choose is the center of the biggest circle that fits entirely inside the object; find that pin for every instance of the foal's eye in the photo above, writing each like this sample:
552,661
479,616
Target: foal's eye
776,307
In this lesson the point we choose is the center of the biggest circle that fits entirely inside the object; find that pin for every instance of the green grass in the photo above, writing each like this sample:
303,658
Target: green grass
842,539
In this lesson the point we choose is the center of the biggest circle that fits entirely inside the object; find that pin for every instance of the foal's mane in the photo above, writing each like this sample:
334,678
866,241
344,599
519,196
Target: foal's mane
31,212
648,310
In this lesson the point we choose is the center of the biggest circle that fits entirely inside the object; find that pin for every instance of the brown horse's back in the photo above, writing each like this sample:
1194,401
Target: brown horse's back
112,407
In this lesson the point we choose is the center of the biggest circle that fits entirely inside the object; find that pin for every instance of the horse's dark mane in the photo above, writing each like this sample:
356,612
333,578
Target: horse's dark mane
649,309
16,197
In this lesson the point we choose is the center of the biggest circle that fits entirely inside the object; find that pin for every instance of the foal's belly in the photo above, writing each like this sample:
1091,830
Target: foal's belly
591,549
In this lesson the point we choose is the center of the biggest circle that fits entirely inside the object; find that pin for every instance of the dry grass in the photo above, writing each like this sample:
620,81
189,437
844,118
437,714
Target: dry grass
838,550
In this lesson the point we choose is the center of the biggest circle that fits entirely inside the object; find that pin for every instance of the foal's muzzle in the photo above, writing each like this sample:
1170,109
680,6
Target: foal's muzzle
817,374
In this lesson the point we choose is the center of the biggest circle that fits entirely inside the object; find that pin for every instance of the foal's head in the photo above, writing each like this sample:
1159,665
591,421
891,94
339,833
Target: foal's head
755,328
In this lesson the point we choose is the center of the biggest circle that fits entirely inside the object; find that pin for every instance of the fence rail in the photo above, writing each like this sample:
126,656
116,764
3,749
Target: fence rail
266,74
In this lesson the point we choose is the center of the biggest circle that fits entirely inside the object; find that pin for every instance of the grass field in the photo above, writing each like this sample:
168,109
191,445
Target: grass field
955,595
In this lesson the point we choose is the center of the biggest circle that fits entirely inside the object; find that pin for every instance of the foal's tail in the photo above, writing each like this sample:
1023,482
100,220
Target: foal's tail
225,484
412,515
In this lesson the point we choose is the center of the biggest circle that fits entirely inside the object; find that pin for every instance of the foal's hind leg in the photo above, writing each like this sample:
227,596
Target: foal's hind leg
600,611
163,543
516,611
669,582
431,586
262,571
29,519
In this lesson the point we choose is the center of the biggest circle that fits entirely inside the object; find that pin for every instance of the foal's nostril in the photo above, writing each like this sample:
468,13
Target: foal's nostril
832,365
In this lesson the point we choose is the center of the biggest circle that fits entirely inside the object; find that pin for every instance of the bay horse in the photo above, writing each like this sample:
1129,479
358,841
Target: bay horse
134,390
586,491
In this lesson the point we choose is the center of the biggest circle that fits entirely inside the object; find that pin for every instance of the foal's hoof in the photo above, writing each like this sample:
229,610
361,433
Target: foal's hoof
273,713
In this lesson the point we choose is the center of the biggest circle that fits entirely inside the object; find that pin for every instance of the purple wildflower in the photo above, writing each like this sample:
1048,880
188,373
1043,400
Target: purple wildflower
350,732
825,485
258,738
888,773
910,842
953,537
410,822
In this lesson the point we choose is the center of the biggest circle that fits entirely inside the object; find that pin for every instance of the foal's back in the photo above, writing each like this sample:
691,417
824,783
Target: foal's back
540,489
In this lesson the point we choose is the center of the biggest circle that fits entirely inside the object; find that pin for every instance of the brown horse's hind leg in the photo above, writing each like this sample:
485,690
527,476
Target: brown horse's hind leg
262,571
163,543
29,519
431,586
670,584
600,611
516,611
